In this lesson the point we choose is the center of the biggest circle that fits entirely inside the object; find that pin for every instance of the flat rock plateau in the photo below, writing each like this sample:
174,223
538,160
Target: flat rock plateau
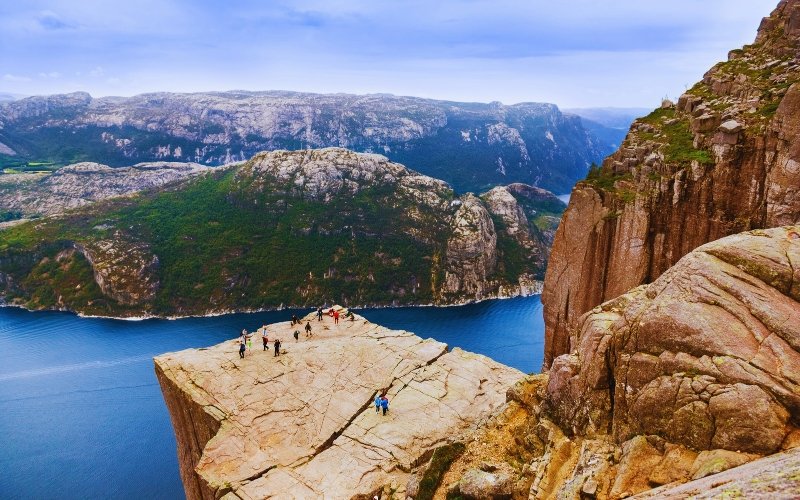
303,424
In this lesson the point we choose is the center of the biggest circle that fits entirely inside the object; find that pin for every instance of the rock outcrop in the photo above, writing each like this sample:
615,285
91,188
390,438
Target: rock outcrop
673,382
302,425
722,160
284,228
85,183
472,146
707,356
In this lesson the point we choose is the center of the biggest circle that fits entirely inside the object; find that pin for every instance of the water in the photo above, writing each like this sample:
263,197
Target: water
81,413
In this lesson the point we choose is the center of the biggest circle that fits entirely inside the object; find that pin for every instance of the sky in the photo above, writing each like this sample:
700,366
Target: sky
578,53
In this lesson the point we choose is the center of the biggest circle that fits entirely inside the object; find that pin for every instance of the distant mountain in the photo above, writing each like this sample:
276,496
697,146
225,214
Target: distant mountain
608,125
610,117
282,229
472,146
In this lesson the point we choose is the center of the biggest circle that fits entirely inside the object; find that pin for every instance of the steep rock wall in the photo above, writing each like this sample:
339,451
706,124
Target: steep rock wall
724,159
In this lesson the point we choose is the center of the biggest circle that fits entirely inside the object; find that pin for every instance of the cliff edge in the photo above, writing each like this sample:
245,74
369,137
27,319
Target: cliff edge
302,424
724,159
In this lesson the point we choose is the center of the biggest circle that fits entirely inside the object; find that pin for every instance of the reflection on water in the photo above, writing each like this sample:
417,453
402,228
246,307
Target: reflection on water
81,413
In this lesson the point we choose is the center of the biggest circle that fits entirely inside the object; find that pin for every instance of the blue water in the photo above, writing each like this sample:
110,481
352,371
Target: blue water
81,413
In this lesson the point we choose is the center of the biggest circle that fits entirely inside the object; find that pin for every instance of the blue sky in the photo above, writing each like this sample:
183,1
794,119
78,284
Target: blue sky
573,53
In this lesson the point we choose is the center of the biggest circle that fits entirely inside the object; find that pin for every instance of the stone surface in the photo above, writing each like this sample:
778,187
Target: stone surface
707,356
773,477
85,183
481,485
303,425
678,181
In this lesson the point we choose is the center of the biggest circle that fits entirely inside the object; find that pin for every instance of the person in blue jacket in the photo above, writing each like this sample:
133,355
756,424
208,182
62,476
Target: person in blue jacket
377,403
384,404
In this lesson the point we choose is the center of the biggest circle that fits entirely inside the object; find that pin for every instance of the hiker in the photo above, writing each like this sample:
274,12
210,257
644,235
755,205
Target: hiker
241,347
378,402
350,315
277,345
296,335
264,337
308,329
249,342
384,404
294,319
319,314
336,317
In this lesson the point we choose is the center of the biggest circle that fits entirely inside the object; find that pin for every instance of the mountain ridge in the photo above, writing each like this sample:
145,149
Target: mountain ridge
473,146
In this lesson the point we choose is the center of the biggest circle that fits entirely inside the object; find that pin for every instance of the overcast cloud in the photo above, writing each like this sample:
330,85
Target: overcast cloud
575,53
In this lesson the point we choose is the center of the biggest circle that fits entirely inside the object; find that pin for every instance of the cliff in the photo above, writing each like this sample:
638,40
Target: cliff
724,159
302,425
284,228
473,146
670,383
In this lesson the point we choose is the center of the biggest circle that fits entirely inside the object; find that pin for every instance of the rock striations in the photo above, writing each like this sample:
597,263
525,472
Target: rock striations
302,425
725,158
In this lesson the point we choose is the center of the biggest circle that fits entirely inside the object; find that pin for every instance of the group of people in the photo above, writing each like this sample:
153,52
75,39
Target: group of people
246,339
246,342
381,403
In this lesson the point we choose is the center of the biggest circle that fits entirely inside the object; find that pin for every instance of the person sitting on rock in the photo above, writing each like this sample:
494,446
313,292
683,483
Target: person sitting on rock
384,404
295,320
277,345
308,329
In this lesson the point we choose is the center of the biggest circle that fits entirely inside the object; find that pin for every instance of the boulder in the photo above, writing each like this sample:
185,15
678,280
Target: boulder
707,356
477,484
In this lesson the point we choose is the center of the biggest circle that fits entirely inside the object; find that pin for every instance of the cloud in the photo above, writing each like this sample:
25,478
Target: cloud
15,78
97,72
52,74
49,20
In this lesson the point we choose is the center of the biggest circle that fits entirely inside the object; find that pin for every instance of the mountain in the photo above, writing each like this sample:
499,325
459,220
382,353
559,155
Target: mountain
285,228
609,125
722,160
472,146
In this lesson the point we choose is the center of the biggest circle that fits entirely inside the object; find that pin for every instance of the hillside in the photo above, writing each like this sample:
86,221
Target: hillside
284,228
472,146
721,160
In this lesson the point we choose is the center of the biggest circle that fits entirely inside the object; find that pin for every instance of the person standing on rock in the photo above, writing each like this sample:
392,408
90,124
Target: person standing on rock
250,343
384,404
264,337
378,402
277,345
308,328
242,347
336,317
319,314
296,335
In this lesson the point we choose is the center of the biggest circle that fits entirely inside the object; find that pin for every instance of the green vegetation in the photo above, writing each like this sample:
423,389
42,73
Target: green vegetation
441,460
228,241
605,179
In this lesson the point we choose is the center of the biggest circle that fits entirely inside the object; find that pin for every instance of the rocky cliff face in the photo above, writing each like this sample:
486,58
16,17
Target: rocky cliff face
472,146
302,425
722,160
300,228
670,383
